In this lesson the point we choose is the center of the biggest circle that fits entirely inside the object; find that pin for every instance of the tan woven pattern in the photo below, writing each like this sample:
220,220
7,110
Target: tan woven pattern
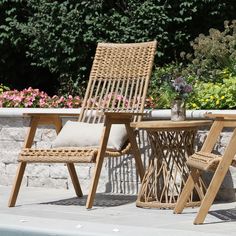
72,155
166,174
122,61
205,161
68,155
118,80
123,151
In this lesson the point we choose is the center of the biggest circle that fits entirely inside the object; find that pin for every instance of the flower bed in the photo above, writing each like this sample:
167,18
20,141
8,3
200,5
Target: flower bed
34,98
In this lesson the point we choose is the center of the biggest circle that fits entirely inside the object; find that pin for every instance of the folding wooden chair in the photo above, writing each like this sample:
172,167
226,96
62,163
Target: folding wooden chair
205,160
115,94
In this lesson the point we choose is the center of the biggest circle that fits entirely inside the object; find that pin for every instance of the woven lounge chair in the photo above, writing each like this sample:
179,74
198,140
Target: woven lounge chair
115,94
205,160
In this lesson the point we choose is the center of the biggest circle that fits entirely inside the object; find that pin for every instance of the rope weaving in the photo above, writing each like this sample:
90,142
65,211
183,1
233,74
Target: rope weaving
206,161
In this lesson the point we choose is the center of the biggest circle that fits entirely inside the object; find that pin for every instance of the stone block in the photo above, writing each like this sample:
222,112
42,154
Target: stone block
58,171
43,144
47,182
48,135
37,170
225,137
13,134
233,175
11,169
200,139
14,122
84,171
10,146
2,168
8,156
7,179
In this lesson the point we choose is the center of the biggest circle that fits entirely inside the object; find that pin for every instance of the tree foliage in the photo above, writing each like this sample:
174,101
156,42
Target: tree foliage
41,40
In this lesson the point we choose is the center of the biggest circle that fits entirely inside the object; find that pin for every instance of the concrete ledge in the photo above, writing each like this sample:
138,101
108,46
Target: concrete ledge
154,114
19,112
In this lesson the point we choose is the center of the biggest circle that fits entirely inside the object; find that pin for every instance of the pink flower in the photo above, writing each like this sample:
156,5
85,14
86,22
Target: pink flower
34,98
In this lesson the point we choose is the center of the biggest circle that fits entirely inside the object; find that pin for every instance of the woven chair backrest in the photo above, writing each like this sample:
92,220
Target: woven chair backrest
118,80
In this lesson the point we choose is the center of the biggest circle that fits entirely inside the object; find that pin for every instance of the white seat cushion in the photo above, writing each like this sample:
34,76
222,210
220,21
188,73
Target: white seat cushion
79,134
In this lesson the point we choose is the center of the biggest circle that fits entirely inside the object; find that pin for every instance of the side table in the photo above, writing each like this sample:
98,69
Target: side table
167,172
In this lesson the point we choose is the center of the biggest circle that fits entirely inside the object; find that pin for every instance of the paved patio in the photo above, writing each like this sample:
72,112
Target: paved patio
42,211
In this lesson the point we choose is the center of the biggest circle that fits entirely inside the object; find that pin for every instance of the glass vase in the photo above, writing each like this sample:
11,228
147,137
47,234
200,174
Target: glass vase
178,110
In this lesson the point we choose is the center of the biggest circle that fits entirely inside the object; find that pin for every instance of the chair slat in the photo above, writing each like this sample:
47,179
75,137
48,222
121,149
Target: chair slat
118,70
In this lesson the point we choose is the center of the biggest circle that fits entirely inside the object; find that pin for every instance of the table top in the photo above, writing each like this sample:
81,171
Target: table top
223,116
170,124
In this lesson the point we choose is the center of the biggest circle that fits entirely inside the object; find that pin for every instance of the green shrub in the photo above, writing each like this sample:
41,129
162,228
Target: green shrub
63,34
16,70
43,41
3,88
160,90
213,53
206,95
209,95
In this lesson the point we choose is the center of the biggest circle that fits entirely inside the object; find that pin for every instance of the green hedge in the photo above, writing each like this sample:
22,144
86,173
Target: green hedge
205,95
50,44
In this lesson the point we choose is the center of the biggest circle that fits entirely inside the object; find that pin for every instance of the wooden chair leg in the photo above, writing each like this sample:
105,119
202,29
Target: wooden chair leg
188,188
209,198
135,150
17,184
217,180
75,180
98,167
21,167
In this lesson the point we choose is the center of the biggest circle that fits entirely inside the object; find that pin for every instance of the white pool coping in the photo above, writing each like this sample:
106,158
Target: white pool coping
154,114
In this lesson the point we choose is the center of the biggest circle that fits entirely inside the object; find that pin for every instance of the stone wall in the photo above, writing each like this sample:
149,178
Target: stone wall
118,174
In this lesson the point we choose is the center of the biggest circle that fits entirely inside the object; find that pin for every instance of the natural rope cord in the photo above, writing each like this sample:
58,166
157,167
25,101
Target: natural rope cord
58,155
166,174
206,161
67,155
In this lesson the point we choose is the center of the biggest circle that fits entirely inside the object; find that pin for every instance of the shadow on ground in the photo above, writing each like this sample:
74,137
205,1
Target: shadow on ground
102,200
225,215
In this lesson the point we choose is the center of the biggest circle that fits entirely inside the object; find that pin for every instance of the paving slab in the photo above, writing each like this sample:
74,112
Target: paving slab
42,211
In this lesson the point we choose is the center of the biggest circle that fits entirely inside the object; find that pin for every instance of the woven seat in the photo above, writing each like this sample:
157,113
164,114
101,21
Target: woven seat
206,161
57,155
66,155
115,94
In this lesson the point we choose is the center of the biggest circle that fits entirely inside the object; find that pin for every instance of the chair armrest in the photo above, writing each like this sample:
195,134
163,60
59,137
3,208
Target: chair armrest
46,118
121,117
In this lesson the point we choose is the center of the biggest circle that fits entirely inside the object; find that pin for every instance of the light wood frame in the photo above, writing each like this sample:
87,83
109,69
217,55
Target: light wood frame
220,121
118,70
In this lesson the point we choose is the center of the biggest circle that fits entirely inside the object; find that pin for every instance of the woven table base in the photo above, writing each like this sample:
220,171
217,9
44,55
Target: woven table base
167,171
